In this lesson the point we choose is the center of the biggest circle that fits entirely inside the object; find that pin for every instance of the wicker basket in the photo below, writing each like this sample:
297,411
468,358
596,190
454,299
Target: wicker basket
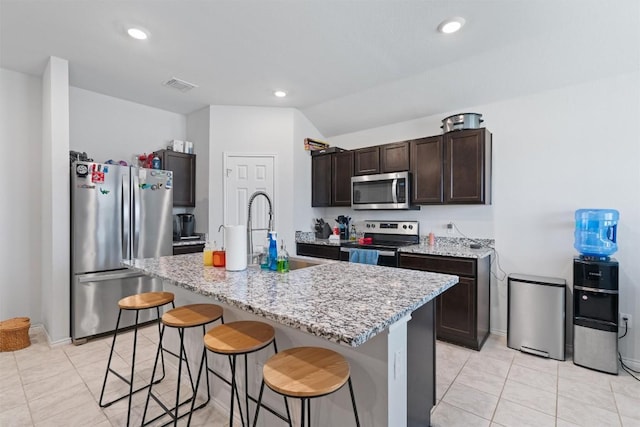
14,334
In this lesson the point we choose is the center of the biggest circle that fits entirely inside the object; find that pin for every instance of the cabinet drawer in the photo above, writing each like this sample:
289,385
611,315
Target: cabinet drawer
438,264
318,251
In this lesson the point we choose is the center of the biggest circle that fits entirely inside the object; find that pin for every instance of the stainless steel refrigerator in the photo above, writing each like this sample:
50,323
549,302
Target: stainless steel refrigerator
117,213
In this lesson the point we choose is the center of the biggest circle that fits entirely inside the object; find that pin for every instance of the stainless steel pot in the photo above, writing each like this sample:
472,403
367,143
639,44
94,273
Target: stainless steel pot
461,121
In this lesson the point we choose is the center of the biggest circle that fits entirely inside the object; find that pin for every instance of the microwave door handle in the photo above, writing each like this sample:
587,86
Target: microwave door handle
394,190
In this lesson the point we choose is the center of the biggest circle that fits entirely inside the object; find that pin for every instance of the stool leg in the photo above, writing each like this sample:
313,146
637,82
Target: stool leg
303,404
234,390
286,402
153,374
246,389
182,351
255,419
353,401
106,373
133,366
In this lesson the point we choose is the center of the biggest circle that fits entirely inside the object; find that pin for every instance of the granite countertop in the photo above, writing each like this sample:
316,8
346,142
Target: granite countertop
444,246
342,302
453,247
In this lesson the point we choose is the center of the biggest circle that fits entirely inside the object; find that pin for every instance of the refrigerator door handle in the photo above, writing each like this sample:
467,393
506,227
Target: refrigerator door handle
102,277
135,205
125,220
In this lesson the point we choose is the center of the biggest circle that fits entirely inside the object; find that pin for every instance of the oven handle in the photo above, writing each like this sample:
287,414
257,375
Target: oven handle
380,253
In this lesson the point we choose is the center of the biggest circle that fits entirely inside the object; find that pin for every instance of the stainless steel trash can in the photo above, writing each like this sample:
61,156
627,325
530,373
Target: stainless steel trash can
536,315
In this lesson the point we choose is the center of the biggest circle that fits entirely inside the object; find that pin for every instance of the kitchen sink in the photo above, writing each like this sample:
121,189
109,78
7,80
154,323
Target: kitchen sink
296,263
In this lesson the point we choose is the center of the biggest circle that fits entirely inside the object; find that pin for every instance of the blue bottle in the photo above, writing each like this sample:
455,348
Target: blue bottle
596,232
273,251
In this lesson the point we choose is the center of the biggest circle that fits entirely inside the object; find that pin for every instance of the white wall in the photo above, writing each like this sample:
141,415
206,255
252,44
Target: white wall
253,130
198,133
553,152
54,247
21,141
112,128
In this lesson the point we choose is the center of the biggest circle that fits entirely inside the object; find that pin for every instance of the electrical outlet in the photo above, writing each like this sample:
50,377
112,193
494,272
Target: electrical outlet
450,228
622,321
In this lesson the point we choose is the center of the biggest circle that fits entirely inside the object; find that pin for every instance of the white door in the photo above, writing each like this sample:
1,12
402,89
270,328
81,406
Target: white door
244,175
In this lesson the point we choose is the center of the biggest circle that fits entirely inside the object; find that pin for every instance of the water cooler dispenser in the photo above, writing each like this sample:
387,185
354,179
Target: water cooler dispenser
595,291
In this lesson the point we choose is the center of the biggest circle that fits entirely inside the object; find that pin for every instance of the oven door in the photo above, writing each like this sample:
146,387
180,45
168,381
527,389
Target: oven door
385,257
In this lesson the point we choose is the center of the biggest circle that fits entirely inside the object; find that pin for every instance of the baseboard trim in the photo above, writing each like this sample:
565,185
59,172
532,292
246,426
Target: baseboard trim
40,328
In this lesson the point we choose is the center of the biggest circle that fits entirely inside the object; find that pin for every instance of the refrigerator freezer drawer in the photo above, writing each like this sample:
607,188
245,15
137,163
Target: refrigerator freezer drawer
95,301
595,348
536,317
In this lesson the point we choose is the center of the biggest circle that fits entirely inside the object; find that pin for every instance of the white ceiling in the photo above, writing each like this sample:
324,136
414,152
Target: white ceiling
347,65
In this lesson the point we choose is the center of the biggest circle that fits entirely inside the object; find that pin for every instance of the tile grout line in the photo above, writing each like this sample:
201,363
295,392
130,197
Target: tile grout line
502,391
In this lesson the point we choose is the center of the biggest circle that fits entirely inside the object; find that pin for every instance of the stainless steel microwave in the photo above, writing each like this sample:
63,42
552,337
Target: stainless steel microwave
382,191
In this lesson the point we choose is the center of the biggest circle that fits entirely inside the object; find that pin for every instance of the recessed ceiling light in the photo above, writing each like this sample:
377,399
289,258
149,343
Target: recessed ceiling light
280,93
137,33
451,25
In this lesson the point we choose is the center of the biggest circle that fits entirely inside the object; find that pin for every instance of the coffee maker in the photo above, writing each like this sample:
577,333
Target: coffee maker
343,225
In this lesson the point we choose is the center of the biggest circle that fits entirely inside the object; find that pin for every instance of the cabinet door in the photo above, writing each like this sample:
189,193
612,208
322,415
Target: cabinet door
467,174
341,171
321,180
394,157
456,313
426,170
367,161
184,176
188,249
318,251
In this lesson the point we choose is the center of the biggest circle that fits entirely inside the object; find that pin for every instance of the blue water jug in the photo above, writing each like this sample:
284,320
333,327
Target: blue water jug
596,230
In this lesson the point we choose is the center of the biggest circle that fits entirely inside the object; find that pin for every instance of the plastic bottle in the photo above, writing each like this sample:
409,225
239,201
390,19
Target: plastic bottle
432,239
207,255
264,256
283,259
352,234
155,163
219,256
273,251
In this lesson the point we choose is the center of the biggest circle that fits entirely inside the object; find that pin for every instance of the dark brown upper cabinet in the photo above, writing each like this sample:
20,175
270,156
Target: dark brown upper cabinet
394,157
321,180
183,166
467,167
366,161
426,170
331,179
341,173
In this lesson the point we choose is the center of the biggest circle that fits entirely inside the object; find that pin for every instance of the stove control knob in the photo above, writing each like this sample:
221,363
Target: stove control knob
410,227
368,225
404,226
373,226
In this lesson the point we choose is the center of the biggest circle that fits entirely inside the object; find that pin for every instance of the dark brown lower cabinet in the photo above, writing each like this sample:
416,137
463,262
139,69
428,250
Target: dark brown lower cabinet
462,311
188,249
318,251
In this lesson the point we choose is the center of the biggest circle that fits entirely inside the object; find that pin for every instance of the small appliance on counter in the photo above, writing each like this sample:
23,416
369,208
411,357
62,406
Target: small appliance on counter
595,290
187,224
343,226
322,229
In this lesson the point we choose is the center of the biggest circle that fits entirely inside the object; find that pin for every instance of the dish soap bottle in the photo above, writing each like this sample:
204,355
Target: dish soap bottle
273,251
352,233
283,259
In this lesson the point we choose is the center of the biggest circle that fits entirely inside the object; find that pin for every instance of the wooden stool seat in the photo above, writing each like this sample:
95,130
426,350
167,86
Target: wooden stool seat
145,300
239,337
14,334
188,316
306,372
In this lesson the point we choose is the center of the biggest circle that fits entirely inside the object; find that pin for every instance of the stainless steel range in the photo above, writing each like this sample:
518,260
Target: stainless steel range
386,237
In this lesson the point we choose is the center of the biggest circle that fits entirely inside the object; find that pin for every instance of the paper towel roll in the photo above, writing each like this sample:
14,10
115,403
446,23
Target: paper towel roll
235,243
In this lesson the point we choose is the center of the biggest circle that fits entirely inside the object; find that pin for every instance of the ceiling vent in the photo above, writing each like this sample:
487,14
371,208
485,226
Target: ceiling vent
181,85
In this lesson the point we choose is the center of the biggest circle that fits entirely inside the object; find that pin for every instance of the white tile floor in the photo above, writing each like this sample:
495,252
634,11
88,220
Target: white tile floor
60,386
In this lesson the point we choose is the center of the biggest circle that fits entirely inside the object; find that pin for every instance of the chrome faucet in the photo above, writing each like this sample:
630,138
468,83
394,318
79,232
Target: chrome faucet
251,257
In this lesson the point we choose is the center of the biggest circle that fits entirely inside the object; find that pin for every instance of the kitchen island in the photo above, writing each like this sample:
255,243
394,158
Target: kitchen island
380,318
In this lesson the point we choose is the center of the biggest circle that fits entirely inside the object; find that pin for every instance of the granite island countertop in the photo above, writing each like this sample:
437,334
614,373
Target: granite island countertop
342,302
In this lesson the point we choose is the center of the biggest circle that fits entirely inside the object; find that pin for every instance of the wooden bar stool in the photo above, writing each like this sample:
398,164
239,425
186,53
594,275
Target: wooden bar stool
143,301
240,339
305,373
181,318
